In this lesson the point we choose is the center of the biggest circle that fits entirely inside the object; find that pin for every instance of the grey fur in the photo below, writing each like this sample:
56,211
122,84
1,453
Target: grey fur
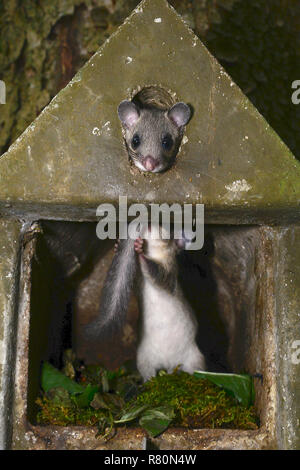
152,125
116,291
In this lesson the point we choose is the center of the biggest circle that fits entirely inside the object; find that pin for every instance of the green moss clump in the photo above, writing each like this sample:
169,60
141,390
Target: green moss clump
198,403
67,415
194,402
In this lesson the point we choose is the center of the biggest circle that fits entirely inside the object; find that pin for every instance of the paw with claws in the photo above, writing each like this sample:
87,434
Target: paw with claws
139,246
116,245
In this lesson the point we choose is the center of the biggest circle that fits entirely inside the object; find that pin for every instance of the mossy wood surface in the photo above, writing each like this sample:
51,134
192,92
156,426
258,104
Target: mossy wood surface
257,42
73,154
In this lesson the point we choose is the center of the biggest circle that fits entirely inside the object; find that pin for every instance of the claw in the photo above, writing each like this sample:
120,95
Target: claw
116,245
139,245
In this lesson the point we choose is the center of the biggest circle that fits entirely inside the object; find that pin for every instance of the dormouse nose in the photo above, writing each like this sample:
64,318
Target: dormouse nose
150,163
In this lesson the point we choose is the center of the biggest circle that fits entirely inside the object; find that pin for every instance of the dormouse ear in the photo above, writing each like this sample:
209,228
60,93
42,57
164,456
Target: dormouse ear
128,113
180,114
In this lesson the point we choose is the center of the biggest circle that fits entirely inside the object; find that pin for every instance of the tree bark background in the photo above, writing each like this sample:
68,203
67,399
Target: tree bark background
44,42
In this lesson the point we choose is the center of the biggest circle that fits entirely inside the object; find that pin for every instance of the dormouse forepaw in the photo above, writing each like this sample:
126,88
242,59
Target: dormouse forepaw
116,245
139,245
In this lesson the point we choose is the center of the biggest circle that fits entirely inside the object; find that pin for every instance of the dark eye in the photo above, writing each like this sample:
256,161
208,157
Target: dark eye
135,141
167,142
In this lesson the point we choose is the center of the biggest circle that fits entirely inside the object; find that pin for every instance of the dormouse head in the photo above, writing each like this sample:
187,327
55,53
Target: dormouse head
153,135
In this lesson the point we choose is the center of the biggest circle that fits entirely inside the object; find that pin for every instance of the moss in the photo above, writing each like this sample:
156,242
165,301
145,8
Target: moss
28,62
197,402
257,43
63,415
41,47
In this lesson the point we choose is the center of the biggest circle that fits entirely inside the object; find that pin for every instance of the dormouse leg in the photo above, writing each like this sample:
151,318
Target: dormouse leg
166,279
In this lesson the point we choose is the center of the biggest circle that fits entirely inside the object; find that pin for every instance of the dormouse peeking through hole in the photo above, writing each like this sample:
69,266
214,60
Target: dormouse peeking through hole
153,133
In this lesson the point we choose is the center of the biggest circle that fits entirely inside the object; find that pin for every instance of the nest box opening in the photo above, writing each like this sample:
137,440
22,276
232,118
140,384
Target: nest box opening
154,96
67,265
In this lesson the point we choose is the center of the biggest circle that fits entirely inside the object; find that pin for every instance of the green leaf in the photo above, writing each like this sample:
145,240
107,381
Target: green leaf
132,413
59,396
156,420
84,399
107,401
127,390
53,378
238,385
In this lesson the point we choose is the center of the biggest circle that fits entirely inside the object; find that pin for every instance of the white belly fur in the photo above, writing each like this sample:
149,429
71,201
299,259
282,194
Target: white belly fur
167,337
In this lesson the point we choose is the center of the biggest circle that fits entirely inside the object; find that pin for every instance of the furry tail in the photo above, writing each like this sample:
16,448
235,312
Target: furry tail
116,292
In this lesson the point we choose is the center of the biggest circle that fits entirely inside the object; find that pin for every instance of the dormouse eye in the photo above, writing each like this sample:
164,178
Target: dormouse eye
167,142
135,142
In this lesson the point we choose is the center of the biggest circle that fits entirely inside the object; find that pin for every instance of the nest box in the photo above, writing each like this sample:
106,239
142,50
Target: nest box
72,158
